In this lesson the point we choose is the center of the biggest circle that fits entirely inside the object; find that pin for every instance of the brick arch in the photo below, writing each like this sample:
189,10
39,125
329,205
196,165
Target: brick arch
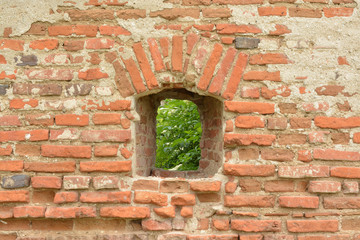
191,62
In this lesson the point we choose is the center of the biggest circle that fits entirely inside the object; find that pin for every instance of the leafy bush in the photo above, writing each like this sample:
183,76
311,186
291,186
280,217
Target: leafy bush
178,134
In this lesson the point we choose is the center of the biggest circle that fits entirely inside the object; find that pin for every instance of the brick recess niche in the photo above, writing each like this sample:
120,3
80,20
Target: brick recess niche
277,85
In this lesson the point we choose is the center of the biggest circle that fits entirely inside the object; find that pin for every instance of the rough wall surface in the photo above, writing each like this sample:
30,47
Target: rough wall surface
285,71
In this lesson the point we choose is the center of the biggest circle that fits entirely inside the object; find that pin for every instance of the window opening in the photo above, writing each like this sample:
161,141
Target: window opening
210,110
178,135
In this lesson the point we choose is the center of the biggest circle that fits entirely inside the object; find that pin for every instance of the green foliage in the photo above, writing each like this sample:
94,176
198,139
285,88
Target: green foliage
178,134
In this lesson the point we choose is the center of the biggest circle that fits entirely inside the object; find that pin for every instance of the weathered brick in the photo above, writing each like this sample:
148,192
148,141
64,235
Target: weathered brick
15,181
256,225
64,151
76,182
105,197
66,197
341,202
105,182
50,167
277,154
154,225
14,196
249,201
324,186
249,170
299,202
183,200
246,43
109,166
125,212
105,135
29,211
300,226
303,171
70,212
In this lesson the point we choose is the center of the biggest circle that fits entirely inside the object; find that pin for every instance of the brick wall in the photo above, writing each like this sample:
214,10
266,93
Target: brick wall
280,151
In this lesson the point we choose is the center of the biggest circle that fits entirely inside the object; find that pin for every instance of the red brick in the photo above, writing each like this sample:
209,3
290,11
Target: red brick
66,197
338,12
196,2
66,151
256,225
304,226
105,135
135,76
282,91
118,166
341,202
164,44
143,184
234,79
50,167
277,123
14,196
331,154
249,185
105,225
249,170
99,43
187,212
205,186
150,198
105,197
156,55
269,58
250,107
345,172
249,201
174,13
92,74
131,13
29,211
191,40
15,225
250,92
340,138
90,14
72,120
324,187
221,224
216,12
238,2
279,186
303,171
46,182
304,155
165,212
23,103
224,28
10,120
74,45
117,105
52,225
350,187
125,212
144,64
262,76
287,139
16,45
42,44
299,202
218,81
272,11
32,135
64,134
177,54
66,30
154,225
40,119
210,67
106,151
70,212
232,139
277,154
337,123
280,30
227,40
113,30
11,166
5,150
50,74
297,123
305,12
183,200
4,75
208,197
249,122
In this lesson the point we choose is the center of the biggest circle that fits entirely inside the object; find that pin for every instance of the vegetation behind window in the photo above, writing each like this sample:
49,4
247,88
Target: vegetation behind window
178,134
